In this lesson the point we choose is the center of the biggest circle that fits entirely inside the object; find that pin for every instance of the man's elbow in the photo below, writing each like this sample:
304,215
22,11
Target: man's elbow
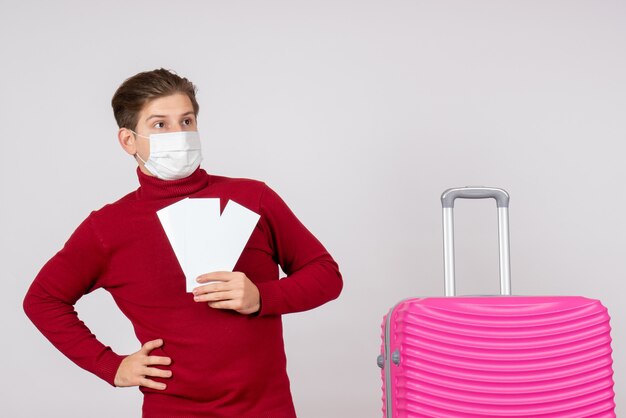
33,303
334,283
29,303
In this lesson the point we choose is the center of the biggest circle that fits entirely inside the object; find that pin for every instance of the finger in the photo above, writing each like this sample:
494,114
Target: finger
225,304
211,287
221,276
235,281
154,372
158,360
152,384
214,297
151,345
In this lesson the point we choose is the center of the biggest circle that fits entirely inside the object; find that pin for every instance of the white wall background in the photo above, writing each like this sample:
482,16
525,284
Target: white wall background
359,113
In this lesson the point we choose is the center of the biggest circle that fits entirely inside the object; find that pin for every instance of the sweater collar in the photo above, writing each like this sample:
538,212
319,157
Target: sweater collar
155,188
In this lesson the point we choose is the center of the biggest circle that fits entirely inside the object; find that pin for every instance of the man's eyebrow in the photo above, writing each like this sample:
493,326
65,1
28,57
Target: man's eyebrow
191,112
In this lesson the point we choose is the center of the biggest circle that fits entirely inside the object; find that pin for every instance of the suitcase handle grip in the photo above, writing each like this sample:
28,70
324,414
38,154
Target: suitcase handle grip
449,196
502,200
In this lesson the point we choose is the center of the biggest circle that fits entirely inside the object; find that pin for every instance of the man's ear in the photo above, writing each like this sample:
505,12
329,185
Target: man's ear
127,140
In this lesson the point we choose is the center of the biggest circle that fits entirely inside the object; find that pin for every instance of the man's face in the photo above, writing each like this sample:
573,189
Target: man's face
166,114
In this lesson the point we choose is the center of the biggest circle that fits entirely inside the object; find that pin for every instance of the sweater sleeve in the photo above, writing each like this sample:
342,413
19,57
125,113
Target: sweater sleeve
313,276
49,302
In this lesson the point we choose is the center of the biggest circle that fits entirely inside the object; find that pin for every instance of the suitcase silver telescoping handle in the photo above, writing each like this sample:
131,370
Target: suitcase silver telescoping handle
502,200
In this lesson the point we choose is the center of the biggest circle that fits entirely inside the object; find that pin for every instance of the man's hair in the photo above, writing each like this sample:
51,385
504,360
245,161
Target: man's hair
139,89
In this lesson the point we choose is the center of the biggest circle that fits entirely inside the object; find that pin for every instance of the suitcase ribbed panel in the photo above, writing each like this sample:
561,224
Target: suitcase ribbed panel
501,357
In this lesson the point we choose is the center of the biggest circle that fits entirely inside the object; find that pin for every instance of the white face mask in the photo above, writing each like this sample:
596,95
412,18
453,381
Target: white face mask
173,155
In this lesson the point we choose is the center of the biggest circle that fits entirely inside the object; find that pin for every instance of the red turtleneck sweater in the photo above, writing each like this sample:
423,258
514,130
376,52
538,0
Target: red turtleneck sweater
224,364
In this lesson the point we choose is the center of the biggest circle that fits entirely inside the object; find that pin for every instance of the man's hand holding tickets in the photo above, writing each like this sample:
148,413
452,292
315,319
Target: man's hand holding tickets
228,290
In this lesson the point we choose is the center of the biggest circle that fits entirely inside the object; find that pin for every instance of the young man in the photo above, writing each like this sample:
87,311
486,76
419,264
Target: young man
219,351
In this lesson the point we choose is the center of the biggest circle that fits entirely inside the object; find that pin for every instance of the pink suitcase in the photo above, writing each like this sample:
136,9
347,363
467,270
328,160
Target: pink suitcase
495,356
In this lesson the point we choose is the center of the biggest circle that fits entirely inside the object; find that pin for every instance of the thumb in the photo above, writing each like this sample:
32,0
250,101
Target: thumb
151,345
